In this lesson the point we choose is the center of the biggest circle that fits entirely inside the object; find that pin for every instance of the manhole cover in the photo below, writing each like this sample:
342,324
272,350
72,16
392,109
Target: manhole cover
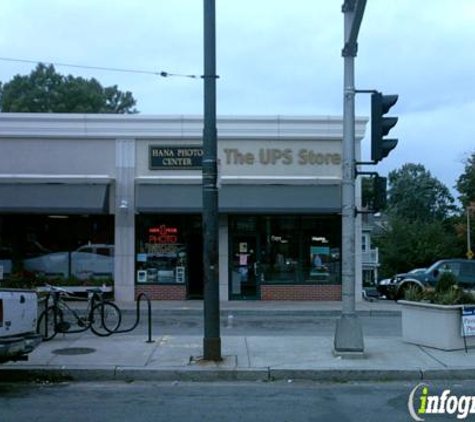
74,351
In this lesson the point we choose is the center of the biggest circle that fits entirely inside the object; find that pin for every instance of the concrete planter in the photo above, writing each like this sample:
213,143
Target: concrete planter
431,325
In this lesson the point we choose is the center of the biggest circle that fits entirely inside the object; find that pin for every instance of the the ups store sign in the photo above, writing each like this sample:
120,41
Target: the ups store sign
175,158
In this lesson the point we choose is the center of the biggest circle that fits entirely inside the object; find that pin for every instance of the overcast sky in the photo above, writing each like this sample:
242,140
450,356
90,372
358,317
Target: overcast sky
274,58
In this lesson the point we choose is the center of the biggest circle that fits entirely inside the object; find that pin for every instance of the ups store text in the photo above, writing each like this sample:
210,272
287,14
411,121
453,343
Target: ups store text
281,156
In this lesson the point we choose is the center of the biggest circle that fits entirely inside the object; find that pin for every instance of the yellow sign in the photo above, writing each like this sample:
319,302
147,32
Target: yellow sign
470,254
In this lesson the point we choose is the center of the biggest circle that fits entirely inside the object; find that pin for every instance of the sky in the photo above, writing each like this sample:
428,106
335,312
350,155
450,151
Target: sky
273,58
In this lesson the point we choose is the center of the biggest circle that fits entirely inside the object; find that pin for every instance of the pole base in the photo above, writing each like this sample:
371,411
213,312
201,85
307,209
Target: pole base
212,349
348,342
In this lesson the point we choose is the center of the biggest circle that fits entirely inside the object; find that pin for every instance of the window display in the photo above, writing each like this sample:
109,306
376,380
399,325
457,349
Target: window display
285,250
163,249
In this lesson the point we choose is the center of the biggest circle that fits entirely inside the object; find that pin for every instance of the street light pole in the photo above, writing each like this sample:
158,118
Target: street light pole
348,339
212,339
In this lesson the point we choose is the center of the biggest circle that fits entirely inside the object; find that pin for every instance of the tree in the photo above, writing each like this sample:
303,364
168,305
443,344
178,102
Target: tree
404,245
421,226
466,182
415,195
46,91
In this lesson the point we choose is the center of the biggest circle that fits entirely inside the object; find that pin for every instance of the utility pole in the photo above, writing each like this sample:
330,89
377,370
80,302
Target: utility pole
348,341
212,339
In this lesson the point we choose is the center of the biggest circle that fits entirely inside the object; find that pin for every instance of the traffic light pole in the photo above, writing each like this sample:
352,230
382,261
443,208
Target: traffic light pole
348,341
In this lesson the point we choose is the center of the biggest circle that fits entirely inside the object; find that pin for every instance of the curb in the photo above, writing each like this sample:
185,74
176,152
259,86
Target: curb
131,374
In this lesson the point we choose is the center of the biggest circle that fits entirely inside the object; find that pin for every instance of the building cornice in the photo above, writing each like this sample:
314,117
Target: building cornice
112,126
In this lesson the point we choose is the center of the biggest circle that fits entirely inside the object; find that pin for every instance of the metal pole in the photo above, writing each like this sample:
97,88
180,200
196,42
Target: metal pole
469,247
348,334
212,339
469,244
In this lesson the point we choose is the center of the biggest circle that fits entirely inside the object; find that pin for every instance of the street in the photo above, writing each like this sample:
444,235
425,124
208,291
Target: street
262,324
181,402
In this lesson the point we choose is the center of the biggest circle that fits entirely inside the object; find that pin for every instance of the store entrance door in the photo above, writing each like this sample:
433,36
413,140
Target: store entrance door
195,267
245,269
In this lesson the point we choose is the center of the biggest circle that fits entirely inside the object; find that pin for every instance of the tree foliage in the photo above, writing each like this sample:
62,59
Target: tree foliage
415,195
46,91
405,245
421,226
466,182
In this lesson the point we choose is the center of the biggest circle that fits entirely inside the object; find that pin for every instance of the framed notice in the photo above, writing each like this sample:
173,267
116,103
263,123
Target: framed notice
468,321
141,276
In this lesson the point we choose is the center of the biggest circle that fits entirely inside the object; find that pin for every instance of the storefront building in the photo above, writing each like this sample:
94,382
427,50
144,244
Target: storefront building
118,198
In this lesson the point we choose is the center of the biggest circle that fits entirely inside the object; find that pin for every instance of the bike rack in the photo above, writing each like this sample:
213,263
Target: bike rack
139,297
149,305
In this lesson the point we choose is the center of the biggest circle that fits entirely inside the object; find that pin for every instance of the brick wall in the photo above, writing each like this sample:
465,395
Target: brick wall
158,292
300,292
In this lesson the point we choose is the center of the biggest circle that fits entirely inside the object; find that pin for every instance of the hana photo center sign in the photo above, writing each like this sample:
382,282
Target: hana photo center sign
175,158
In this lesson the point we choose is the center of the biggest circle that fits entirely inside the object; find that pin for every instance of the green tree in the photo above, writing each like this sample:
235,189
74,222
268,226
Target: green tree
405,245
415,195
421,222
466,182
46,91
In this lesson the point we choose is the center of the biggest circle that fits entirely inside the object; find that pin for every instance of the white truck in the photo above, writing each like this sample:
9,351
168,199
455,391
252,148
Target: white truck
18,317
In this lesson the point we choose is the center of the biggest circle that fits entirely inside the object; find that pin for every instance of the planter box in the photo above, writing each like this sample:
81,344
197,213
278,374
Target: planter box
431,325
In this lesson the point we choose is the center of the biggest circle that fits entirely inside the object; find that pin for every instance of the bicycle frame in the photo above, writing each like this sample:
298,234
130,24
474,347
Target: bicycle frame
60,308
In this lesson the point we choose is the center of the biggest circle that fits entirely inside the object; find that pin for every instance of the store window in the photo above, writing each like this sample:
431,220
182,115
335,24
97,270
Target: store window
284,250
169,248
56,249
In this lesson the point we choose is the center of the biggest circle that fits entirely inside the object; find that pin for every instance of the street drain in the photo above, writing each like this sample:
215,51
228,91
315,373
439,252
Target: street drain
74,351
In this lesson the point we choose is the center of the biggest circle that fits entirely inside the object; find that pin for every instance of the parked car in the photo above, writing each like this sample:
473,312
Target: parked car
396,287
88,261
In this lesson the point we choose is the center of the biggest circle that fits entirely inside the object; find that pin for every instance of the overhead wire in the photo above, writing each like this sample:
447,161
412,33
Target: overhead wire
162,73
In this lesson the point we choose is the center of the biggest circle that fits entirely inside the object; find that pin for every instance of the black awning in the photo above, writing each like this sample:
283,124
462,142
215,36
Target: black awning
70,198
241,198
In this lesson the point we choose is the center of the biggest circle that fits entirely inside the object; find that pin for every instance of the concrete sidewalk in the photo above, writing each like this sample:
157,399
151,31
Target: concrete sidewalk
129,357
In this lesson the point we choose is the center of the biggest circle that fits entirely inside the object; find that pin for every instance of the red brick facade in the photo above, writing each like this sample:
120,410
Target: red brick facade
300,292
268,292
158,292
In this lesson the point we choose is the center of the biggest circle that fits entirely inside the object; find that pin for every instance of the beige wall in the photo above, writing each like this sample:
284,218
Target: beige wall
57,156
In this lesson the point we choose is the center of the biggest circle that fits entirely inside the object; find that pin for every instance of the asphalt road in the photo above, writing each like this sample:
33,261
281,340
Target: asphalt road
263,324
210,402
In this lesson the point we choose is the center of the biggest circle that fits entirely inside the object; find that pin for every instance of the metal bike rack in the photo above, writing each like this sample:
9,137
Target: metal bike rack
149,304
139,297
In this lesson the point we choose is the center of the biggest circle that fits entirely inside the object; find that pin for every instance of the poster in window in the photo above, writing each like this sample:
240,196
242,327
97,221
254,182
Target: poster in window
319,257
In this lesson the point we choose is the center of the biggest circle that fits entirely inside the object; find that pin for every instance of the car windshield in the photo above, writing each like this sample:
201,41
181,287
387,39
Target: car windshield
434,266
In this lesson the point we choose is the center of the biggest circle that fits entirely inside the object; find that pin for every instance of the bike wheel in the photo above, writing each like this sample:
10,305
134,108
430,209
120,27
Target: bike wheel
105,319
48,321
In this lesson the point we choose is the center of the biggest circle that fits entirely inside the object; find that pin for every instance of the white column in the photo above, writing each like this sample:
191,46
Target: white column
124,263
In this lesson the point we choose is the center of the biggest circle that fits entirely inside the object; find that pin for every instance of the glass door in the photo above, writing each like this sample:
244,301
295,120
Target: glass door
245,268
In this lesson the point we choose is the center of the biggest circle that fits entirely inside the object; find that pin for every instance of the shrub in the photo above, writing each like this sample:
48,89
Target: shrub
446,282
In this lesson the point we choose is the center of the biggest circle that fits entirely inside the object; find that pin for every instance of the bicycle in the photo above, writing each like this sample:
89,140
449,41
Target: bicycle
101,316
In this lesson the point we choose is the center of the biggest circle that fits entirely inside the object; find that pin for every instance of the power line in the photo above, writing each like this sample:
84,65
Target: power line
111,69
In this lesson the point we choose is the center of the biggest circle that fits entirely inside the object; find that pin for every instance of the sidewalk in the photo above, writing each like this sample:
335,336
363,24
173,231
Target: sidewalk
129,357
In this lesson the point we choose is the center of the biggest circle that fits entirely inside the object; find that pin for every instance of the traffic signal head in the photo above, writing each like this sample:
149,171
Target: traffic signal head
380,193
381,125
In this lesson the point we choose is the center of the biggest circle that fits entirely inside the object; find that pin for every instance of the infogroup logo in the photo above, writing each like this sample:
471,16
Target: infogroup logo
421,403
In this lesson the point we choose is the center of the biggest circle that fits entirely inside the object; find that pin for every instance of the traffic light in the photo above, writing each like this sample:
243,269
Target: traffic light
379,193
381,125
